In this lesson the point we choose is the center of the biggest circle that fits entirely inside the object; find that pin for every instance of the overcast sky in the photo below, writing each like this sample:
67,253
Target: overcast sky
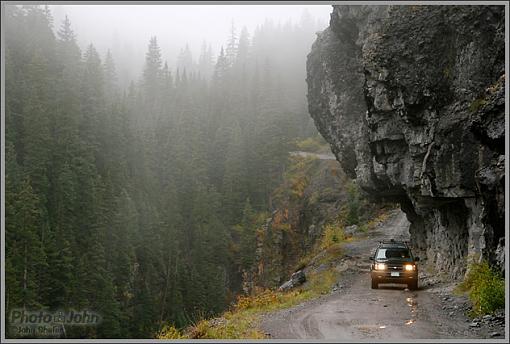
174,25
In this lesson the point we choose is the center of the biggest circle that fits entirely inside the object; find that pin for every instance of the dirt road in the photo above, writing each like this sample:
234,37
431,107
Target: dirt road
314,155
357,312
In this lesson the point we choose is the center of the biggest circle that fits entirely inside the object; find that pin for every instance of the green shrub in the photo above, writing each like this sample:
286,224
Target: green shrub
477,104
485,287
170,332
312,144
333,234
309,145
363,228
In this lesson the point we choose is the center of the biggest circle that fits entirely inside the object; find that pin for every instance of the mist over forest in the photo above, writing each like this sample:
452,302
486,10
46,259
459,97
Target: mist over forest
137,177
182,30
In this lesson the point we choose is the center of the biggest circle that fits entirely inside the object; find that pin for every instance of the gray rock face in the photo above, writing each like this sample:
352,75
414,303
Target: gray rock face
411,100
350,230
296,224
296,279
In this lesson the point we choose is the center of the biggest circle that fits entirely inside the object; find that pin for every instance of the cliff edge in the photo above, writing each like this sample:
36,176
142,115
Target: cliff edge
412,101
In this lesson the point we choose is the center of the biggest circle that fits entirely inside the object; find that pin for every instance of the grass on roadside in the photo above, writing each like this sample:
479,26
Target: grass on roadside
241,321
333,237
485,288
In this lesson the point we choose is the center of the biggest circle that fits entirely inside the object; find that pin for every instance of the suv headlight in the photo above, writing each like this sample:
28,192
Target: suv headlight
380,266
409,267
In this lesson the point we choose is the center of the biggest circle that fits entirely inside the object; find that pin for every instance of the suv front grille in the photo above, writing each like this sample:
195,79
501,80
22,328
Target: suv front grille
394,268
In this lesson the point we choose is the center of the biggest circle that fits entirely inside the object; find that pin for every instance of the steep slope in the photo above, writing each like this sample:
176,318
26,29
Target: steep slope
411,100
315,193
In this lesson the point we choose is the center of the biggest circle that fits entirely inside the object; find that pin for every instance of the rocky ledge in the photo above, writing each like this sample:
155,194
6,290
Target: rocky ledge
411,100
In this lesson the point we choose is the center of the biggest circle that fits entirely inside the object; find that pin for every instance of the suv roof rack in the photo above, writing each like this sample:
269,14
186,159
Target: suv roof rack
394,242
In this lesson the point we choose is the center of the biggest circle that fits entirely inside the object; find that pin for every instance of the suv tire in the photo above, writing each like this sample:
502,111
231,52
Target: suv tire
375,285
413,285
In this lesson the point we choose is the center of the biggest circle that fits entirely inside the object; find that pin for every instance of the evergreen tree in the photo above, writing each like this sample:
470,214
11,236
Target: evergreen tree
231,50
243,52
185,60
247,236
141,205
26,251
110,76
235,177
152,71
221,69
205,61
152,79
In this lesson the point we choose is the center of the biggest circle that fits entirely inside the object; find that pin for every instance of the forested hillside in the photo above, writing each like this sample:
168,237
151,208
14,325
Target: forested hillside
141,203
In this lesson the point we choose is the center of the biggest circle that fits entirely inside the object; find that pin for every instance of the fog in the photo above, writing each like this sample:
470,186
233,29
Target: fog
138,183
126,29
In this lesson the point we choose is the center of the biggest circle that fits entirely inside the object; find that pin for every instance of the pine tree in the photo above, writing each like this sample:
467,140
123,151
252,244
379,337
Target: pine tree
243,52
110,76
152,71
36,124
27,253
235,177
221,75
205,61
152,83
231,50
91,127
247,236
68,49
58,274
209,248
13,175
185,60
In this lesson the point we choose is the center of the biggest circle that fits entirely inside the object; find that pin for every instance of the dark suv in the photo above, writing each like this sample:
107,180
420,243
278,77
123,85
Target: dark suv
393,262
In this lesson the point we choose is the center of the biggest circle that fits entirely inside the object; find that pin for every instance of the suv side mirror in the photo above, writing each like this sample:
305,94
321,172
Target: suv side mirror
371,258
416,259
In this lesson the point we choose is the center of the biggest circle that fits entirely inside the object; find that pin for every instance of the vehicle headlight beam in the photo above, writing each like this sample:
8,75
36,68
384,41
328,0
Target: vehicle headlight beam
380,266
409,267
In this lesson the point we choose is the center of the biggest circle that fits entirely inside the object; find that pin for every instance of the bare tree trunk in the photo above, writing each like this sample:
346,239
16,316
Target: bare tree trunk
25,275
163,302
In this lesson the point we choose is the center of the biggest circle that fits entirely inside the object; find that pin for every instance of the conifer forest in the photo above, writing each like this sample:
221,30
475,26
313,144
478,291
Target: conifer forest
140,200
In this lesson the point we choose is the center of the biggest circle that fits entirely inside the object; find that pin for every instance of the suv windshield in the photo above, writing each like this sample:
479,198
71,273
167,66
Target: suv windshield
392,253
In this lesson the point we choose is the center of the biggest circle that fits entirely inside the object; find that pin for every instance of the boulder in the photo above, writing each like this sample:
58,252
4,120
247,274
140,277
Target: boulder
296,279
350,230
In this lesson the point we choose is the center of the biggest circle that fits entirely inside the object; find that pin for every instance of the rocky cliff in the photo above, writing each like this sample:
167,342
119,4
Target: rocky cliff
315,192
411,100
